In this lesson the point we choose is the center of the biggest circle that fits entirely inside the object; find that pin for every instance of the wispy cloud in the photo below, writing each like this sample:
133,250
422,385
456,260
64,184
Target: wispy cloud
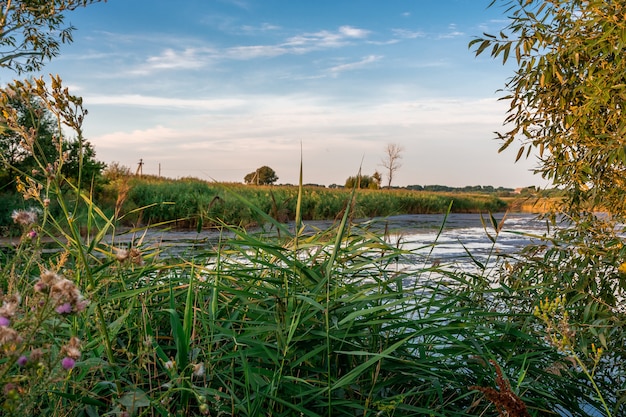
138,100
408,34
188,58
325,39
264,27
453,32
193,58
354,65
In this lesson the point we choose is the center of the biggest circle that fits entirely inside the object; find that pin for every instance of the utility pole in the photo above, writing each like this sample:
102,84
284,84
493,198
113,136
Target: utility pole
139,171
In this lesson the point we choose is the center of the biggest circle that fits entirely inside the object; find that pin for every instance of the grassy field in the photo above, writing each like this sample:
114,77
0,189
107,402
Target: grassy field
194,203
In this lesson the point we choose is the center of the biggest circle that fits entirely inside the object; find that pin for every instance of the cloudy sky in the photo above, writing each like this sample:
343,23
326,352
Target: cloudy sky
217,88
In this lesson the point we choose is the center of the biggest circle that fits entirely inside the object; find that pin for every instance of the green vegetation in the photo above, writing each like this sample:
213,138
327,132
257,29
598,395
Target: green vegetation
194,203
343,322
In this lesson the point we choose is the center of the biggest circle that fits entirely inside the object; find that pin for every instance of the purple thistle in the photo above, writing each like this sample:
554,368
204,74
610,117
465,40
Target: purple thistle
68,363
22,360
4,322
65,308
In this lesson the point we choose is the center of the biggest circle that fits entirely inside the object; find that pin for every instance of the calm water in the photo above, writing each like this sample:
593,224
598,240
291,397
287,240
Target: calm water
435,236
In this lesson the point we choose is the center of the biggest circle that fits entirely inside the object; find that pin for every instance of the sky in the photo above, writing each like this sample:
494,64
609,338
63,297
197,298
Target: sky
215,89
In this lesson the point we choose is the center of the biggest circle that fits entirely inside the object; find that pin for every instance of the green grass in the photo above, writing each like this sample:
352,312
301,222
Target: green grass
341,322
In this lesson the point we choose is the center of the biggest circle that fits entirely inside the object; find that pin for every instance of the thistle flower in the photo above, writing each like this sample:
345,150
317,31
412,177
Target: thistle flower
198,369
4,322
121,254
24,217
9,336
22,360
65,308
72,349
68,363
9,306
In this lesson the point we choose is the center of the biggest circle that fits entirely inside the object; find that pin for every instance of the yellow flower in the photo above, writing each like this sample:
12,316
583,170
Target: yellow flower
622,268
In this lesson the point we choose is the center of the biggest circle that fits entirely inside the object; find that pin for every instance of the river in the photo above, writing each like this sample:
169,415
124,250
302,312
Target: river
441,238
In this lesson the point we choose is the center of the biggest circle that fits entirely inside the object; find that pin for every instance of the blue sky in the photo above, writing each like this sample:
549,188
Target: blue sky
217,88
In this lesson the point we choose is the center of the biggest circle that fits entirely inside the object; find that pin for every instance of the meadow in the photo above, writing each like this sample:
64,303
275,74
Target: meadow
194,203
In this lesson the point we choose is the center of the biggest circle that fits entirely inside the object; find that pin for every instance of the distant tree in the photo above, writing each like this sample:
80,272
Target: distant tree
391,160
262,176
31,31
83,163
377,178
115,171
362,181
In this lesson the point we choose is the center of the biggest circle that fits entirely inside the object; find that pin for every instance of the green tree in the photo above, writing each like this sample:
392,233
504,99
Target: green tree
18,156
81,164
364,182
567,95
262,176
32,31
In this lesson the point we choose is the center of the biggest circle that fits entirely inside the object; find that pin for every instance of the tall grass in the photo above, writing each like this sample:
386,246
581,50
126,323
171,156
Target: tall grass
191,202
342,322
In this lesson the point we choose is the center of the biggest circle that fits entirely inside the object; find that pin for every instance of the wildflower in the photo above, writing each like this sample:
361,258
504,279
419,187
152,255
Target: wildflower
32,234
72,348
9,336
22,360
35,355
135,256
4,322
121,254
198,369
622,268
68,363
169,365
46,279
9,306
65,308
24,217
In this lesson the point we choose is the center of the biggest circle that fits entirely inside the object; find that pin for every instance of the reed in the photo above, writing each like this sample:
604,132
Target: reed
340,322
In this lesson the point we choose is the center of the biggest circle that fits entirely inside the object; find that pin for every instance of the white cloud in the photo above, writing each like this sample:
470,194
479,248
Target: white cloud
355,65
255,51
186,59
408,34
137,100
352,32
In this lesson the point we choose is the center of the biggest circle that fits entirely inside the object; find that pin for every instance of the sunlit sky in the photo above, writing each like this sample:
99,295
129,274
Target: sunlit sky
217,88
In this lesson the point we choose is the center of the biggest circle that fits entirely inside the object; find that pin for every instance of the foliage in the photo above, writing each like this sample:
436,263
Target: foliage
262,176
364,181
45,143
32,31
567,95
566,102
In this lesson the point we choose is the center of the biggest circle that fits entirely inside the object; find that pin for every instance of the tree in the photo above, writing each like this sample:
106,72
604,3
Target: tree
391,160
262,176
567,96
18,156
81,164
32,142
364,182
31,31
